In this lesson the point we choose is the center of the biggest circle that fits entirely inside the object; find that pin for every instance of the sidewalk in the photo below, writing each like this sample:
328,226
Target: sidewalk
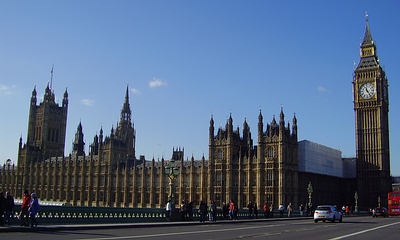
17,228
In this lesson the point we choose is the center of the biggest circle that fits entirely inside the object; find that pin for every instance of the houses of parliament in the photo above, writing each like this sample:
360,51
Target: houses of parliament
273,170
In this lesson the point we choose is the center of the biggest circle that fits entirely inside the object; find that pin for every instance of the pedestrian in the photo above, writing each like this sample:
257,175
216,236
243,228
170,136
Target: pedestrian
34,209
289,210
9,207
183,210
212,212
190,210
271,211
250,207
202,211
24,215
231,210
281,209
255,210
2,208
235,211
225,210
266,210
168,210
301,209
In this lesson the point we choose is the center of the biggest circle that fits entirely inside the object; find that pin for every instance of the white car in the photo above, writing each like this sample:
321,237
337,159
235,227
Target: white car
327,212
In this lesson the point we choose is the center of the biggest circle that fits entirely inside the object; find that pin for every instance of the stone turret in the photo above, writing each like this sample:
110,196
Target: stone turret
78,146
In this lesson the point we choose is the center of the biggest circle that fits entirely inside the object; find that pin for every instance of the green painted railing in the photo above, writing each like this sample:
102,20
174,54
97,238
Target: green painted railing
93,215
98,215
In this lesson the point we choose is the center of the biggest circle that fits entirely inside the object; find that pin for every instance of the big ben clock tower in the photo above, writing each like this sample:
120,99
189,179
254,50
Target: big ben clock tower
371,106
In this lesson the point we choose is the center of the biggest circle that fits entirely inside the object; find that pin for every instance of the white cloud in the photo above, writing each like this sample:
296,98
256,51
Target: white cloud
87,102
322,89
6,90
156,82
135,91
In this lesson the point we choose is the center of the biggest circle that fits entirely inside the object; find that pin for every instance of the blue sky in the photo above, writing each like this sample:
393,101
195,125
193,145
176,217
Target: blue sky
187,60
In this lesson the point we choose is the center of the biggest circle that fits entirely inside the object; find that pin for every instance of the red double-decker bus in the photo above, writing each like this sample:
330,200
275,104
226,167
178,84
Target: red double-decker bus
394,203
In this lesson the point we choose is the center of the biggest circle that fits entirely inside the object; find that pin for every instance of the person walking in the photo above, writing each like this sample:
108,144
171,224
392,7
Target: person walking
168,210
190,210
250,207
2,208
225,210
266,210
301,208
183,210
34,209
289,210
281,209
24,215
255,210
235,211
271,211
9,207
213,212
203,211
232,210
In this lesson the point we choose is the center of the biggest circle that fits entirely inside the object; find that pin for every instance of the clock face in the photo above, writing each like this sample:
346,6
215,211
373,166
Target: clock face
367,91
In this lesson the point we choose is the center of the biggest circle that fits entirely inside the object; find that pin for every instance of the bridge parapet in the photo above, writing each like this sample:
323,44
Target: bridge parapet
93,215
64,215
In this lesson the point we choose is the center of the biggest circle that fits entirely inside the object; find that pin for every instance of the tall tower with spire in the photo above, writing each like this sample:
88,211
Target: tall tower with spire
120,145
78,146
125,131
371,107
47,126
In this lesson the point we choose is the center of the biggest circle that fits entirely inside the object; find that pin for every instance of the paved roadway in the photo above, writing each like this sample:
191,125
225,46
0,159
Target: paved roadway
351,228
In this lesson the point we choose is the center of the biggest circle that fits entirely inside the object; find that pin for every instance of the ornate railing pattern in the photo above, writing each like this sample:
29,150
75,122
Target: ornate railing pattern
99,215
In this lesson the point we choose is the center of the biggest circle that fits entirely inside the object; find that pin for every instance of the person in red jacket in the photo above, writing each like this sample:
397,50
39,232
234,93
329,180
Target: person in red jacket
26,203
232,210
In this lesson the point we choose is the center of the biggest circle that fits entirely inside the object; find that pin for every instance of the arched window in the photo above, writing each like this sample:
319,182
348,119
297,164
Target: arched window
220,154
270,152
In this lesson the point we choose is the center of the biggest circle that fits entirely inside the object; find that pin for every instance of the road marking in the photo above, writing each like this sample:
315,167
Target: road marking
364,231
180,233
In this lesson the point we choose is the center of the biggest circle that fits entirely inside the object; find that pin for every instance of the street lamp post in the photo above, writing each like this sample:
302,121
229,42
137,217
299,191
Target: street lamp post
356,202
172,172
310,191
379,200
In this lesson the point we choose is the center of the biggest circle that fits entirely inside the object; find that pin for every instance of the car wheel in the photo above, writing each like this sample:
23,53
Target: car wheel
333,219
323,220
340,219
315,221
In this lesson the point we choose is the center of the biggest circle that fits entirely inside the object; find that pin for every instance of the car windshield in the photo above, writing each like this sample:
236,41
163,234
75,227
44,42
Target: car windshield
323,208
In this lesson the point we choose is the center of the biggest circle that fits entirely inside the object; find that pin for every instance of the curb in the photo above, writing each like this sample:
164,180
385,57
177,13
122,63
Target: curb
134,225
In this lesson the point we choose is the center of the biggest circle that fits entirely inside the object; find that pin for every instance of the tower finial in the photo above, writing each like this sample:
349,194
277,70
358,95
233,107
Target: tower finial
126,109
127,92
367,36
51,76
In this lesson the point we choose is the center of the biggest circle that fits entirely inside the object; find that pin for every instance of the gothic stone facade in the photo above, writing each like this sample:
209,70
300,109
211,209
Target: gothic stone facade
238,170
371,106
110,175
